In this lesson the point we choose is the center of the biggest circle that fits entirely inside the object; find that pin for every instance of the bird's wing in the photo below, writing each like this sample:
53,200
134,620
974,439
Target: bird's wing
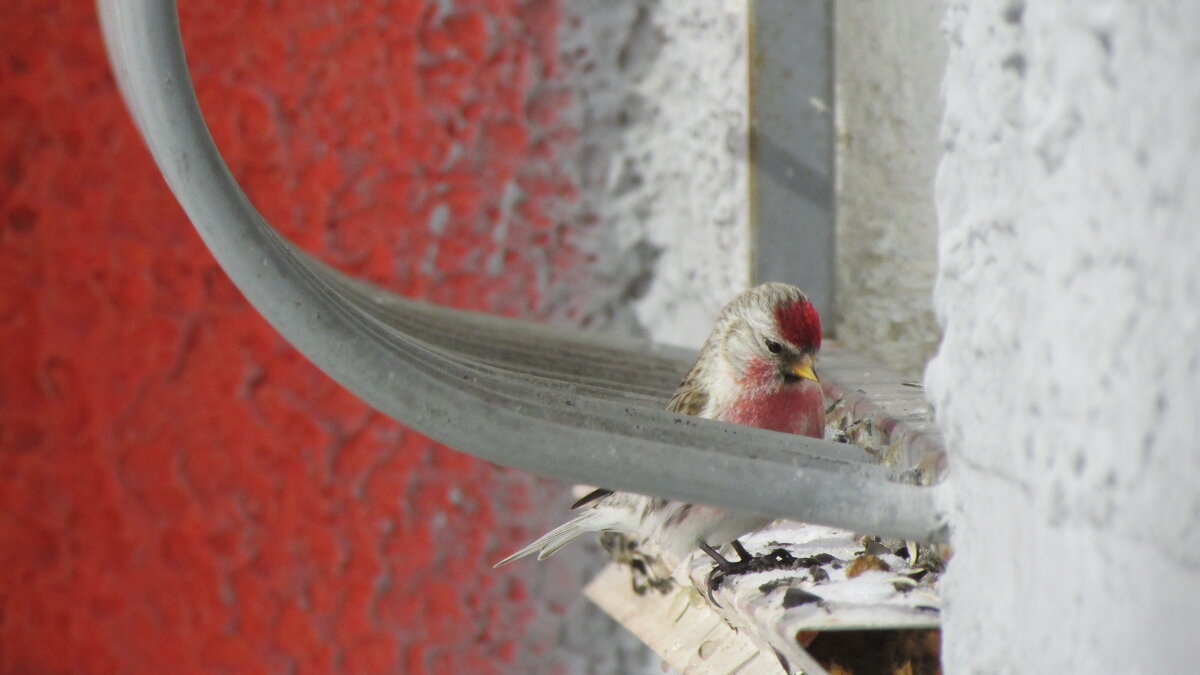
690,398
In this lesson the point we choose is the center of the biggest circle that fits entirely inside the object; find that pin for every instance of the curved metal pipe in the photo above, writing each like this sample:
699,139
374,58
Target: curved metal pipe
557,403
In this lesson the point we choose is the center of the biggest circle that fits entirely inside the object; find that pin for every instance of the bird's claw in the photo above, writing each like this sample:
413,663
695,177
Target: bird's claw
745,564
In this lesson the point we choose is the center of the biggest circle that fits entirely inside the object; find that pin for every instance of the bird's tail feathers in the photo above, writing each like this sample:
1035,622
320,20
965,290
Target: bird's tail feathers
596,520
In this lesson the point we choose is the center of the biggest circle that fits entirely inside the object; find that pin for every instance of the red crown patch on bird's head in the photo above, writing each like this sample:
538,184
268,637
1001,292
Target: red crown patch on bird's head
799,323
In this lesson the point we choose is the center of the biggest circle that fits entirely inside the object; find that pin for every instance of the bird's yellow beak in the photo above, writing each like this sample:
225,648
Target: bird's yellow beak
802,367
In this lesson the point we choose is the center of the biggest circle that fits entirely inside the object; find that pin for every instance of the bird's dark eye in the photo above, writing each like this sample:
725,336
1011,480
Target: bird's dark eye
774,347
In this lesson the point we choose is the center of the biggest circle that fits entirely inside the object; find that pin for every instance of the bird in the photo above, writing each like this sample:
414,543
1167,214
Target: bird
756,368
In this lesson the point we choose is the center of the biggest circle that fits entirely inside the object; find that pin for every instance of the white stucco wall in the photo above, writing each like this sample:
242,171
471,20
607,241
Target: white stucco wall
1069,377
661,89
889,60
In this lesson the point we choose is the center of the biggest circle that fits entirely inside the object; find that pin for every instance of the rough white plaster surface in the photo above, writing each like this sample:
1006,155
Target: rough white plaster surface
661,95
889,59
1068,381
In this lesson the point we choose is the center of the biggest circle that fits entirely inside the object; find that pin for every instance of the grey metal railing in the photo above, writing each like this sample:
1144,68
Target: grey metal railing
557,403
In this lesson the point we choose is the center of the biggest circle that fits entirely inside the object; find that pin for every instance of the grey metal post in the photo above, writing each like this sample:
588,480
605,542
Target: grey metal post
791,146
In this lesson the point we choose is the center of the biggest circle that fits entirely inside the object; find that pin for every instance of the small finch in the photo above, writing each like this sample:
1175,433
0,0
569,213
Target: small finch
755,368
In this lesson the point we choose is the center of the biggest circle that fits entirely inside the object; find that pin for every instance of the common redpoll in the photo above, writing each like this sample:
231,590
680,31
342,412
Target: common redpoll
755,368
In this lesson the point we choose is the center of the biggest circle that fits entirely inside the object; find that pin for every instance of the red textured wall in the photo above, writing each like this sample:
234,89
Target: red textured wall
179,490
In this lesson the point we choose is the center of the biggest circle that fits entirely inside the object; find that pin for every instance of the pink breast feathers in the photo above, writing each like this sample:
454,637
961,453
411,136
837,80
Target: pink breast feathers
797,409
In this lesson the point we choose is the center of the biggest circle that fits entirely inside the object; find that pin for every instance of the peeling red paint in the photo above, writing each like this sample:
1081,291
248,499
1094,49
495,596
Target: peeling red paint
180,491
